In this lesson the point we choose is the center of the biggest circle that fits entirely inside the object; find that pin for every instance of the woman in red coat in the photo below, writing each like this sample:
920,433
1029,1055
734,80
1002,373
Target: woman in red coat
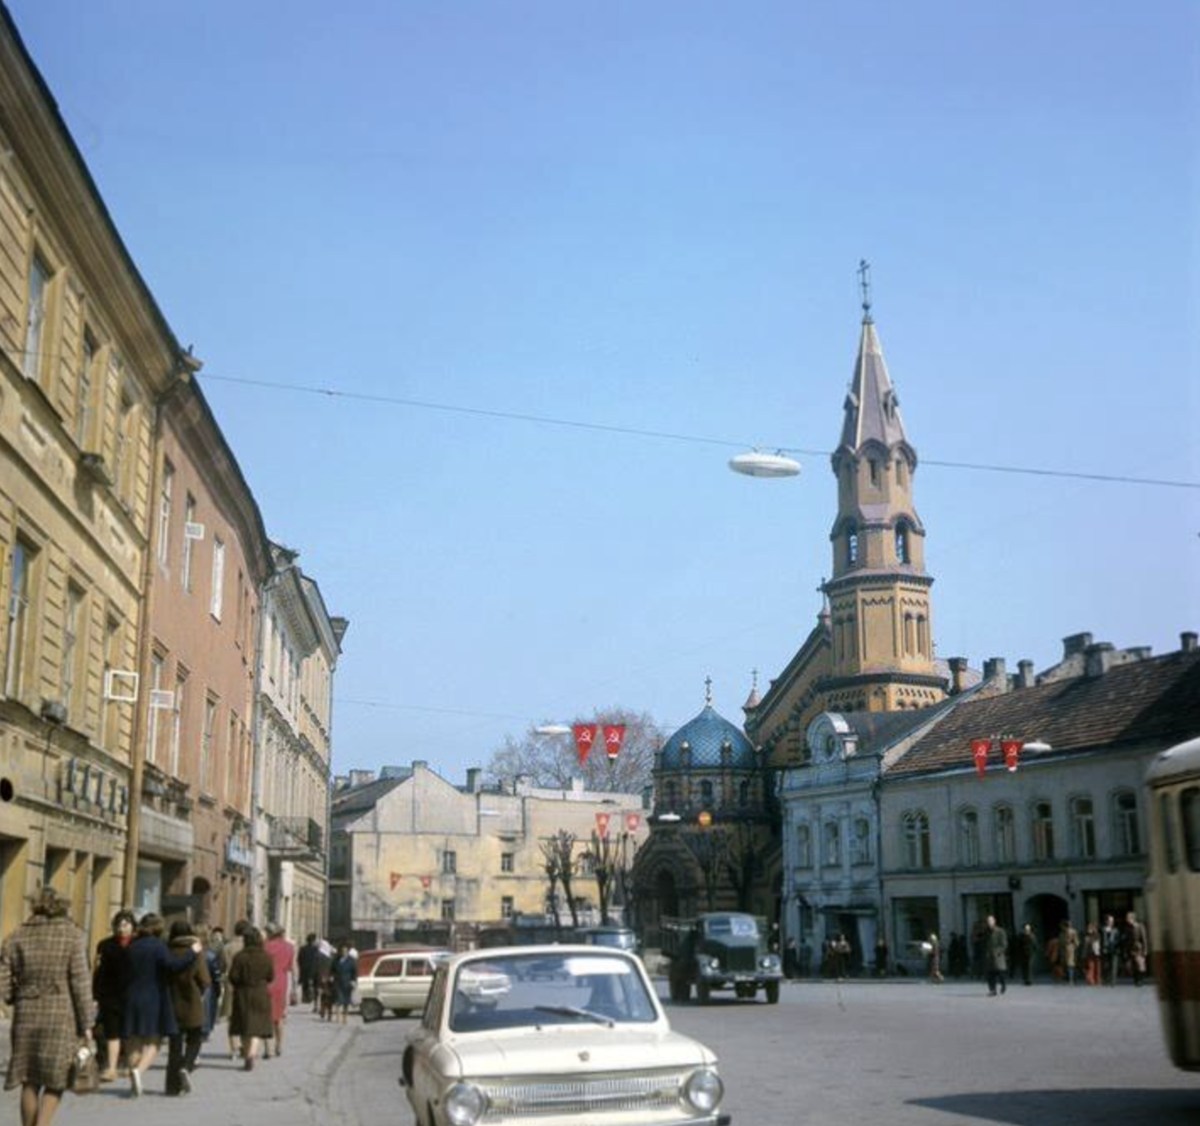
283,957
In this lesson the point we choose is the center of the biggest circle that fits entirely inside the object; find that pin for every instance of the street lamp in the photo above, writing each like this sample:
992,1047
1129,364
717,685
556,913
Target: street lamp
552,729
758,464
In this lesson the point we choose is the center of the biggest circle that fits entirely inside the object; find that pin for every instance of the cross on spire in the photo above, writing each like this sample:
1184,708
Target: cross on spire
864,281
708,691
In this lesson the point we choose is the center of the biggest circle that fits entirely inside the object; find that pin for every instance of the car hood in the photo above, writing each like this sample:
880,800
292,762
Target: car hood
557,1050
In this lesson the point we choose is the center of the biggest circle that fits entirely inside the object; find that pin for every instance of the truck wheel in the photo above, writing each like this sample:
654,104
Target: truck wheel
772,989
370,1010
702,992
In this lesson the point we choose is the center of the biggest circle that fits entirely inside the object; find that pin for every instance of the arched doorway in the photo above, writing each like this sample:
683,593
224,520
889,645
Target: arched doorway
202,898
666,894
1045,914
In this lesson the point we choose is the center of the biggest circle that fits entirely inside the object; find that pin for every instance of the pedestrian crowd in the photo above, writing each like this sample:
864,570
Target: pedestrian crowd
148,983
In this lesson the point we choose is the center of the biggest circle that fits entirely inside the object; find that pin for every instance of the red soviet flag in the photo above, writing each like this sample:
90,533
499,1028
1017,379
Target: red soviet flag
980,748
585,736
632,821
1012,753
426,881
393,880
614,735
602,823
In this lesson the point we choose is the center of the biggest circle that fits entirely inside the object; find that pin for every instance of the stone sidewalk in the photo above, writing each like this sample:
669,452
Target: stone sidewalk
290,1091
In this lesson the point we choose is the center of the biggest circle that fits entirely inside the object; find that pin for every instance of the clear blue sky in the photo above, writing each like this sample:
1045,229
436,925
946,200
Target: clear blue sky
650,214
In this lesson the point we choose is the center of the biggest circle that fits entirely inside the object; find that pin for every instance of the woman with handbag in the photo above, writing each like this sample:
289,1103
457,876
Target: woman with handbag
44,977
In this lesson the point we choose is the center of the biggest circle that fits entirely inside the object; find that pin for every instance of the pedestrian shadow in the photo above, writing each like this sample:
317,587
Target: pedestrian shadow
1096,1106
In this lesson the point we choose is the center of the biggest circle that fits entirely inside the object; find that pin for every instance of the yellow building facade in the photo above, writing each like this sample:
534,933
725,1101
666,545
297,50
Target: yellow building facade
84,355
412,849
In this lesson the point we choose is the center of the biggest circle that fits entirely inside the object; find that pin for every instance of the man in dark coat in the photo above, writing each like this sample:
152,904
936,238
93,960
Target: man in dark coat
306,968
995,954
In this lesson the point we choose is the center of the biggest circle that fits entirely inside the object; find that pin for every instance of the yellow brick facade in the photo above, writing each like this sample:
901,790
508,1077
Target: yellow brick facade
83,355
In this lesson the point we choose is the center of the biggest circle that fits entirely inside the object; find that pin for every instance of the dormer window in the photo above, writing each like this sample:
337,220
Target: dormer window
902,546
852,548
874,465
900,471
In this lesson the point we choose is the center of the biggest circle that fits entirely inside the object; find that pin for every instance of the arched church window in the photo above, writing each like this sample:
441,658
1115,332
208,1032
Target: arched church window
803,845
706,794
910,639
900,471
902,555
922,634
670,795
860,846
874,471
916,840
852,548
744,793
832,845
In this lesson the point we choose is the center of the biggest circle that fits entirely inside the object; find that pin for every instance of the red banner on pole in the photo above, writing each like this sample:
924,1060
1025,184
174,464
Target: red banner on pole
602,820
426,881
585,736
393,880
1012,753
614,736
981,748
633,822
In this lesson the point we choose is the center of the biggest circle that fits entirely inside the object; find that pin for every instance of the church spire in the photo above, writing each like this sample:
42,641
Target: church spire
872,408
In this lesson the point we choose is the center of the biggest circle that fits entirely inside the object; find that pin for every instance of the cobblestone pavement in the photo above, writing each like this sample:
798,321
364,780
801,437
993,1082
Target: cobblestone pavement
884,1053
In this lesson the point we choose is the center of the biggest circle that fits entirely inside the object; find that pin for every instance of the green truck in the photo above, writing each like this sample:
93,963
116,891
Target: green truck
720,950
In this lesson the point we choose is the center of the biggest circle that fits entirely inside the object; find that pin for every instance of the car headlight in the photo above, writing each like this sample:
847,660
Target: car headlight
712,964
768,962
464,1104
704,1090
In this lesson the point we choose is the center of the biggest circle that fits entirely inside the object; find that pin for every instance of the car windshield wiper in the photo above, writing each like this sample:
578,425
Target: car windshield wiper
571,1011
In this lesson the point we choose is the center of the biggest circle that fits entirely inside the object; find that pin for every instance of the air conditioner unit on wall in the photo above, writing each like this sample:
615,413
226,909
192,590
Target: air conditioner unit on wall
193,531
162,698
121,686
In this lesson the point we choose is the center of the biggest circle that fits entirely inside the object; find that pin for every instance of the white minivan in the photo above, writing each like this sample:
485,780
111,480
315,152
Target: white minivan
397,983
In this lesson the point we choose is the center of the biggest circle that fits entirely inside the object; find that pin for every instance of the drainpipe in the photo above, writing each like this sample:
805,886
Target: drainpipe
256,720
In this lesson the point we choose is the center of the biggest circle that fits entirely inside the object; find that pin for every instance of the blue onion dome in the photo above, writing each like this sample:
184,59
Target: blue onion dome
705,736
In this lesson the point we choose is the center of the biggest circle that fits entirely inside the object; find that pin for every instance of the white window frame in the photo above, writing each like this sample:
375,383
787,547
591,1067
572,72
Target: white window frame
158,665
40,277
211,706
216,600
189,517
72,618
17,611
164,513
181,679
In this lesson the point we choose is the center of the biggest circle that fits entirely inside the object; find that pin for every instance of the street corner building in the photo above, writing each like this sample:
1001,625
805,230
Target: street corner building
154,640
417,858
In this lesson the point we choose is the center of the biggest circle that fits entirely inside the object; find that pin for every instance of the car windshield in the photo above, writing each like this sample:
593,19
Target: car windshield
731,926
532,990
618,940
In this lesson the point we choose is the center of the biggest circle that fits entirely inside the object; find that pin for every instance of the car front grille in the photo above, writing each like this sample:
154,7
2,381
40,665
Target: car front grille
602,1094
739,960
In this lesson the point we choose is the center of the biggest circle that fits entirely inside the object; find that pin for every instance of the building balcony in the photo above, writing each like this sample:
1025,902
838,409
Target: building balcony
295,838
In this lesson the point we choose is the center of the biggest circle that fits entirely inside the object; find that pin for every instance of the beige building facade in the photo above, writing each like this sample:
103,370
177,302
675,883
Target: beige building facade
412,848
84,356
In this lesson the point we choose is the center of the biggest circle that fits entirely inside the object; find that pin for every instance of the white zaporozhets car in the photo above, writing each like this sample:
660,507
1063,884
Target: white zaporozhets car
557,1036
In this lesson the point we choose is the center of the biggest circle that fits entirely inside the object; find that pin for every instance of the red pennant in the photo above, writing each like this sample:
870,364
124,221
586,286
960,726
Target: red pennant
981,748
585,736
426,881
602,820
632,822
1012,753
614,736
393,880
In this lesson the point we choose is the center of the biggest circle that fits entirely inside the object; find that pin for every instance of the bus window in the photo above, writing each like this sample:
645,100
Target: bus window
1167,808
1189,803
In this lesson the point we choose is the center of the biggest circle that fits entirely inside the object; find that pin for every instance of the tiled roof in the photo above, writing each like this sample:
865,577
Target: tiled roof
360,799
879,729
1156,700
705,735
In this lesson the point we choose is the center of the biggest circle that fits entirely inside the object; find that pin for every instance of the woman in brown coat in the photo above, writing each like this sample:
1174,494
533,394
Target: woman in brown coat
249,975
187,1001
44,976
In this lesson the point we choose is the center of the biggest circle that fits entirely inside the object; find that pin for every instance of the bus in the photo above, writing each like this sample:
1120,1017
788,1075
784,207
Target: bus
1173,896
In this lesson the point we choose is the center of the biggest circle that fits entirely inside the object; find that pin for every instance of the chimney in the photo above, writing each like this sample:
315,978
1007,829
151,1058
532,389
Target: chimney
995,668
521,784
362,777
1076,643
419,763
474,774
1025,677
1098,659
1187,641
958,674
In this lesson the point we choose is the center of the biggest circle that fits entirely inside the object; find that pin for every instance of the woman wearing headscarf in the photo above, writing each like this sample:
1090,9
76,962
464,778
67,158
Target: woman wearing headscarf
44,977
283,957
110,980
187,1003
249,975
149,1015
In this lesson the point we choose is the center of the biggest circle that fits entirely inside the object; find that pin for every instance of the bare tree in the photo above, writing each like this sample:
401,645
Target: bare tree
559,852
742,856
708,847
551,867
605,858
552,761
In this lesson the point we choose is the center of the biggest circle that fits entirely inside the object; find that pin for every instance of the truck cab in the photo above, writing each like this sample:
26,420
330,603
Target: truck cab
720,950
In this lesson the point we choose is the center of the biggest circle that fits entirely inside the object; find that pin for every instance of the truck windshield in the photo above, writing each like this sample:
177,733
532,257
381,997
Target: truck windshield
527,990
731,926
